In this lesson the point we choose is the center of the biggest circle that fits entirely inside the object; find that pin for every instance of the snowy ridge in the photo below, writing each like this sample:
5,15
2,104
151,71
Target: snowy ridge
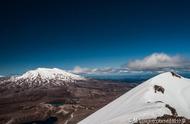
167,93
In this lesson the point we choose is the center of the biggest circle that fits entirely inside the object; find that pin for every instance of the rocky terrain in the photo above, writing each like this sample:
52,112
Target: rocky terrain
57,99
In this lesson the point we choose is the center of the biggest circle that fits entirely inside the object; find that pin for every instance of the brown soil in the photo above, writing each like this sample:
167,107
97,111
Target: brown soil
79,100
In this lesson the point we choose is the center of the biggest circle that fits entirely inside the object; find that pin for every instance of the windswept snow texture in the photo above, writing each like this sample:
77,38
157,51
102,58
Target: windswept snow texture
143,102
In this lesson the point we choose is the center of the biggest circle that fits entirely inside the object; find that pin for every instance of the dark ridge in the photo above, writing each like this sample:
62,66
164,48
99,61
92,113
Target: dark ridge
159,89
175,75
159,102
50,120
165,119
173,111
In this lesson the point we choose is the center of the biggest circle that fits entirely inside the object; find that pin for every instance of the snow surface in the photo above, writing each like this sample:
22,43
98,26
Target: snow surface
48,74
143,103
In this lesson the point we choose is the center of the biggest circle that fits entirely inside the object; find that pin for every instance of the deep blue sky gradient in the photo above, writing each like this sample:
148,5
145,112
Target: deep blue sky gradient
89,33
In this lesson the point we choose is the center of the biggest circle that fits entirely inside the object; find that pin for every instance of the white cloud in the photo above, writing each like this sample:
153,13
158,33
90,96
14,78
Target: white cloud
157,61
80,70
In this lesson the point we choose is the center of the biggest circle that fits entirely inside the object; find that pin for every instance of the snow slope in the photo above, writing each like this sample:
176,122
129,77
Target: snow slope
147,102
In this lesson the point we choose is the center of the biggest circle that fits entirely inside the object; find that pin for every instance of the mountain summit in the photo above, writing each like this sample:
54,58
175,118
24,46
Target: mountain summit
48,74
165,94
42,77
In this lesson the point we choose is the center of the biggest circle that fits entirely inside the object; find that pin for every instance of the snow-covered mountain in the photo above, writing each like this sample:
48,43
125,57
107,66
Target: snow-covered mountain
43,77
48,74
165,94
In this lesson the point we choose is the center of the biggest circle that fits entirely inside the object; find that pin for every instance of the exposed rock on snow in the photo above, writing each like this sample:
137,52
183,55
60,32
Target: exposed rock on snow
175,75
158,89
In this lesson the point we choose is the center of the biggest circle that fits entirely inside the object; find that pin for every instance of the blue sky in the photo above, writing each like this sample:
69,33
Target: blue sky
90,34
